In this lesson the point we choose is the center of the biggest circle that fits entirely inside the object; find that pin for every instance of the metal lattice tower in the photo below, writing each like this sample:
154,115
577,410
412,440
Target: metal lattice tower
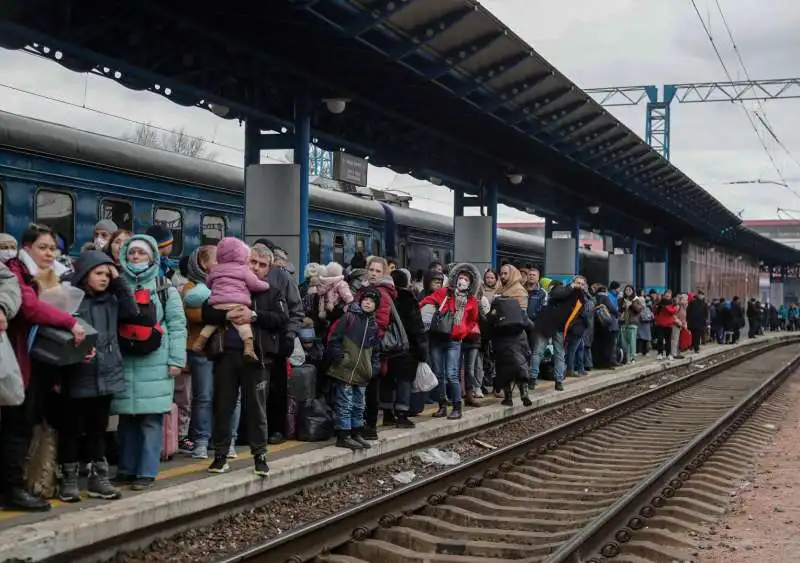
657,121
320,162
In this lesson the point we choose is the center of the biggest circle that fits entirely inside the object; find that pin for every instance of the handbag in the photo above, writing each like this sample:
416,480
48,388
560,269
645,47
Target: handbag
395,340
443,321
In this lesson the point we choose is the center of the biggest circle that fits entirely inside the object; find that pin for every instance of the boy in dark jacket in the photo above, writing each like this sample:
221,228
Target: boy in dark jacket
87,388
353,351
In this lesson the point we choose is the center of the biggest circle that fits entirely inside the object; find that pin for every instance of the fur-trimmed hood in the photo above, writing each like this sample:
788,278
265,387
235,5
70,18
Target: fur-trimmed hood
470,269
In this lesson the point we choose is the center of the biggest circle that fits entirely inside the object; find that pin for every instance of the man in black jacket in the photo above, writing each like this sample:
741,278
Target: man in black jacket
563,307
233,371
697,318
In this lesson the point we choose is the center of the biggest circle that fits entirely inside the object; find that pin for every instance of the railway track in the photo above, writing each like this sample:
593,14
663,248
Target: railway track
577,493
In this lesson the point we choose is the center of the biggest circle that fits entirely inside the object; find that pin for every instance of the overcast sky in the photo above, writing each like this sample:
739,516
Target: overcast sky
596,44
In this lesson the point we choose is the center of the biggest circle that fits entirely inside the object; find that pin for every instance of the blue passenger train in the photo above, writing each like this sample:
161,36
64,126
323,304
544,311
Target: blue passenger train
69,179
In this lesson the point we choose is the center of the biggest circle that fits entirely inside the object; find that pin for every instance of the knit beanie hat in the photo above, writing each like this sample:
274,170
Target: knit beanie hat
161,234
142,245
371,293
106,225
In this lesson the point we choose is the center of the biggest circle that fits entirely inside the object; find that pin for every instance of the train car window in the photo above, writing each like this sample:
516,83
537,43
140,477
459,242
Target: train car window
402,255
435,256
57,211
117,210
212,229
2,223
360,244
448,258
376,247
338,249
315,247
173,220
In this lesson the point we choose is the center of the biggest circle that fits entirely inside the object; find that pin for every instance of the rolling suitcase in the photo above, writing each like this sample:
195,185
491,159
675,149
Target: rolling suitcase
169,443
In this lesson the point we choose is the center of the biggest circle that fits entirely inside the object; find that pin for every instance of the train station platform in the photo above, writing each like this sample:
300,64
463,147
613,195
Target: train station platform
185,488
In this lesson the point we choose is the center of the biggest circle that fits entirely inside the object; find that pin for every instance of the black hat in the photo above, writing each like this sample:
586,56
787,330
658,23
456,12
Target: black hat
400,278
371,293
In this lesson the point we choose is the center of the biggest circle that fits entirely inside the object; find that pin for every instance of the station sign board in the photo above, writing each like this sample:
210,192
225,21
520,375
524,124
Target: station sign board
349,168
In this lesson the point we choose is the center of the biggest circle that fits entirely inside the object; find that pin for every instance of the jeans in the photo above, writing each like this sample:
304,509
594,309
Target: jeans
446,359
140,443
559,356
394,394
575,355
349,403
628,334
470,359
202,371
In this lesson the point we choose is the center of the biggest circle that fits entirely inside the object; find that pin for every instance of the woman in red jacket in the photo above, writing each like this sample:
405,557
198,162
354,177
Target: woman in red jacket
458,302
664,319
36,269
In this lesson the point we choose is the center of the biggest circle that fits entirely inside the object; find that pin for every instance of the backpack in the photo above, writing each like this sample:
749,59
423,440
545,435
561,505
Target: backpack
141,334
603,315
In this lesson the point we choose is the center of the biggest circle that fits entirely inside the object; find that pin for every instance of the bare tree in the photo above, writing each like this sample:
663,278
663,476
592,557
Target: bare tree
176,140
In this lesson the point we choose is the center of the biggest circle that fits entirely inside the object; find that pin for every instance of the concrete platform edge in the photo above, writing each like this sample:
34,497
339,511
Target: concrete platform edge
77,529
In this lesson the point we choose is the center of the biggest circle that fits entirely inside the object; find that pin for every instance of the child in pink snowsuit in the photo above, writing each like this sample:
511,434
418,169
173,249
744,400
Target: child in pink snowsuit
231,283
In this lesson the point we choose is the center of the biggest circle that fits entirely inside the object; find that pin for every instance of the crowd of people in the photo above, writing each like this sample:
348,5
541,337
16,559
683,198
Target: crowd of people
210,344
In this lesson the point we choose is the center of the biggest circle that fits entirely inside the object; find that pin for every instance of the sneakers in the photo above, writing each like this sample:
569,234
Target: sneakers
143,483
186,446
402,421
260,466
219,465
660,357
455,414
122,479
200,451
442,412
356,434
478,393
559,386
232,451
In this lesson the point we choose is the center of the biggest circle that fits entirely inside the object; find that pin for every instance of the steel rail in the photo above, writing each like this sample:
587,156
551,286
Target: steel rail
321,536
604,537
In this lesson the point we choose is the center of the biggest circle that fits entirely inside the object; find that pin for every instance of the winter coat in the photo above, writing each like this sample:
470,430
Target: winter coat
31,312
331,292
537,301
269,330
737,316
562,310
629,310
513,288
665,313
512,356
383,315
280,280
148,386
644,330
471,315
697,314
10,293
353,347
231,280
104,375
404,368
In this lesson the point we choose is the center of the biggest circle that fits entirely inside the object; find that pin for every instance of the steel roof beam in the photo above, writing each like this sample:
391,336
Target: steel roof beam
483,75
427,32
375,15
459,54
507,94
532,107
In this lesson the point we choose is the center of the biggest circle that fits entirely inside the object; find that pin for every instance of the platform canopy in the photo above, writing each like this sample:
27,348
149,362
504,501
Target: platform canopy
434,88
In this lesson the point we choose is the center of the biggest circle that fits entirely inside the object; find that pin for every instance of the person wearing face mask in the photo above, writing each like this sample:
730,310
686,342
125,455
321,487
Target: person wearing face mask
36,270
8,247
458,302
102,233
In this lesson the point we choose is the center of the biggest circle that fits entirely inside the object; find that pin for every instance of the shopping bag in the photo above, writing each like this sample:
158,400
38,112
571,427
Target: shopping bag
425,379
12,389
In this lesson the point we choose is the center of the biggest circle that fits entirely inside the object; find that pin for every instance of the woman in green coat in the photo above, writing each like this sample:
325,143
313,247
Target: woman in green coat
150,363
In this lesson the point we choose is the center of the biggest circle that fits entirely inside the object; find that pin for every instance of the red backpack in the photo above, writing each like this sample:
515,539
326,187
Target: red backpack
141,334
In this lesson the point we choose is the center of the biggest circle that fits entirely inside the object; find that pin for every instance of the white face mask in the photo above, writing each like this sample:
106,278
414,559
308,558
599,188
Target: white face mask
462,285
100,243
6,255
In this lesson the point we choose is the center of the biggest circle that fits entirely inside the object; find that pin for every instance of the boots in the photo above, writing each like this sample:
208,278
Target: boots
523,394
355,433
402,421
17,498
249,349
344,440
470,400
442,412
69,491
507,401
455,414
99,485
388,417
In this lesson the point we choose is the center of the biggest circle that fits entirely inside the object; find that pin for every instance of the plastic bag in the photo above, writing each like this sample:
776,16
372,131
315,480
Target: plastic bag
66,297
303,383
298,357
314,421
438,457
425,379
12,388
